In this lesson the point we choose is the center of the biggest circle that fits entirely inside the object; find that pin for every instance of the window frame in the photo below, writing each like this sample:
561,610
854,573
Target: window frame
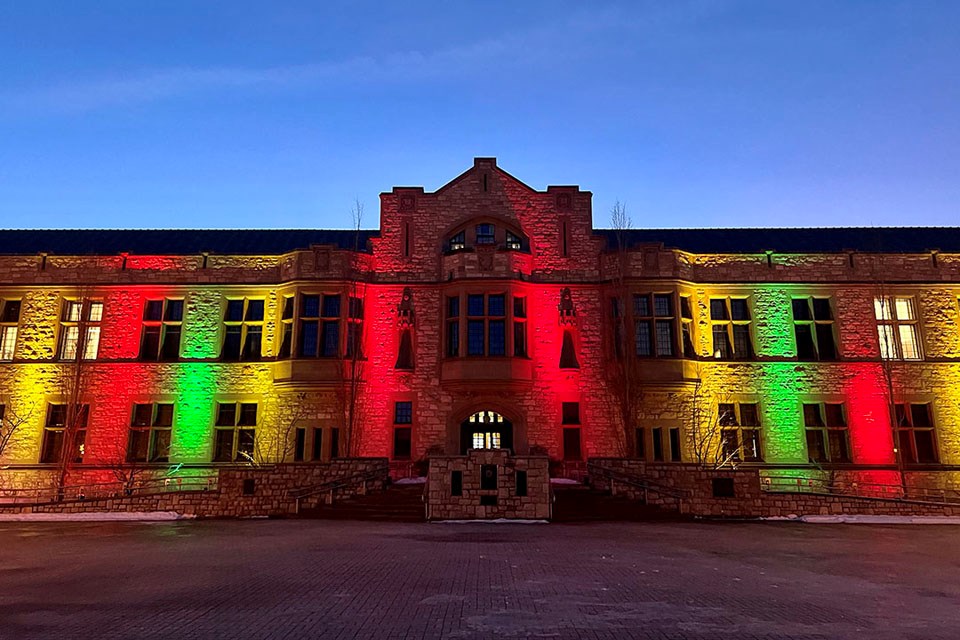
239,428
905,425
244,325
165,327
9,329
461,331
152,431
84,320
729,326
825,429
814,324
881,303
738,428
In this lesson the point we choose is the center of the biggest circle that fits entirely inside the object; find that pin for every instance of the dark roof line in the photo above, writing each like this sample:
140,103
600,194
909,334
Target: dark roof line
279,241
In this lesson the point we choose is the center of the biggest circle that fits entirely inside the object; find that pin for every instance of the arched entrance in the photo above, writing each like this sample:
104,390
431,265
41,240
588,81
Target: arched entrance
486,430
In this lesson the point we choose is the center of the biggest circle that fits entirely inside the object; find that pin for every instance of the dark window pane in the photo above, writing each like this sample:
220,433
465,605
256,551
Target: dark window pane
485,234
641,306
901,415
226,415
231,343
153,310
453,338
331,338
835,417
839,452
52,443
317,443
474,305
496,305
458,241
254,310
688,349
252,346
749,415
331,306
921,415
751,445
137,445
11,311
234,311
453,307
223,445
685,309
519,307
405,353
248,415
245,444
288,308
520,339
571,412
308,338
310,307
815,446
498,339
828,350
727,415
161,446
171,343
730,442
142,415
356,307
721,342
639,445
907,452
402,443
150,343
718,309
521,480
742,347
174,311
664,337
801,309
300,445
164,415
658,444
335,443
739,309
403,412
675,445
663,305
568,354
926,451
811,415
642,339
285,341
805,347
475,338
821,309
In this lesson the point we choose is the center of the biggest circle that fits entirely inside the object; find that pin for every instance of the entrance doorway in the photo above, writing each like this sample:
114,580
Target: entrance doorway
486,430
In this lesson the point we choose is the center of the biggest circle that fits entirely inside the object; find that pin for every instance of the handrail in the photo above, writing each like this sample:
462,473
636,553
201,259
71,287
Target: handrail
104,490
636,480
339,482
856,489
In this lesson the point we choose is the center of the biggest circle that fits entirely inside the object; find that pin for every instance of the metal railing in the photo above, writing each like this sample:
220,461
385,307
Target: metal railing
331,486
856,489
645,484
106,490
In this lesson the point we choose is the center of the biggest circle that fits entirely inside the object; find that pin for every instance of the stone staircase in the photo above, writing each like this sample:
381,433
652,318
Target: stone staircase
581,503
396,503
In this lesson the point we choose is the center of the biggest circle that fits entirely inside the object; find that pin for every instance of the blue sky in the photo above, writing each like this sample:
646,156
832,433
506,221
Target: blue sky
273,114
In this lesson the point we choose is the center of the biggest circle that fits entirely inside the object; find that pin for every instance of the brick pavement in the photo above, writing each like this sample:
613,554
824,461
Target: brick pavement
292,579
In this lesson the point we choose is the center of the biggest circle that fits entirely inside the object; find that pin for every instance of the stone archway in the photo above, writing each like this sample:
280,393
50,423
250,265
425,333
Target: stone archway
499,425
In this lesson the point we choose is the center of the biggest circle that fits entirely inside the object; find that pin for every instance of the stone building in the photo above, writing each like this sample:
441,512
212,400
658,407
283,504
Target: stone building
486,314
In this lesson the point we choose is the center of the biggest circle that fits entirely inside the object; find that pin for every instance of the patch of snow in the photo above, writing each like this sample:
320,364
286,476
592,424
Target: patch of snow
117,516
563,481
493,521
864,519
420,480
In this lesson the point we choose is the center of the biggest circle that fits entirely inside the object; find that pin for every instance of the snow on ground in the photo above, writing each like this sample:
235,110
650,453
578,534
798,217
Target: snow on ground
420,480
493,521
855,519
125,516
563,481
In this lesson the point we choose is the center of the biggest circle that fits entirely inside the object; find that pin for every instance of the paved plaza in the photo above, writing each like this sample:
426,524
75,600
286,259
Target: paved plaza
292,579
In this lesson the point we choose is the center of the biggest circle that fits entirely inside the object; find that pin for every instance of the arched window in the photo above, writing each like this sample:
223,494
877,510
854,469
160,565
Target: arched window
486,234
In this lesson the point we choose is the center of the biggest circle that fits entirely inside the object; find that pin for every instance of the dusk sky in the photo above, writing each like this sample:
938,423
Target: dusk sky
241,114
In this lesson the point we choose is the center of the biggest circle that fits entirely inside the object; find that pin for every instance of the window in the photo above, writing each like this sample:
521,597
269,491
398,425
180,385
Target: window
675,455
654,325
458,241
317,443
639,443
149,439
521,482
897,328
453,326
286,328
319,326
571,444
915,433
519,326
485,234
243,329
740,431
334,443
570,412
402,443
730,320
657,444
162,320
354,326
9,320
827,437
486,329
514,242
686,327
235,431
403,412
813,329
80,329
300,445
58,426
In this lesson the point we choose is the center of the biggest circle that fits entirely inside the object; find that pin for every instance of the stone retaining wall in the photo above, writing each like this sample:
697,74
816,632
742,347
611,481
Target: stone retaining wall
477,503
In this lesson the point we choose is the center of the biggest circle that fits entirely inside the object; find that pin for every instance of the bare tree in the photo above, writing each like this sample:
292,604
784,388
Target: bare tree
350,367
623,373
283,445
705,427
11,422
